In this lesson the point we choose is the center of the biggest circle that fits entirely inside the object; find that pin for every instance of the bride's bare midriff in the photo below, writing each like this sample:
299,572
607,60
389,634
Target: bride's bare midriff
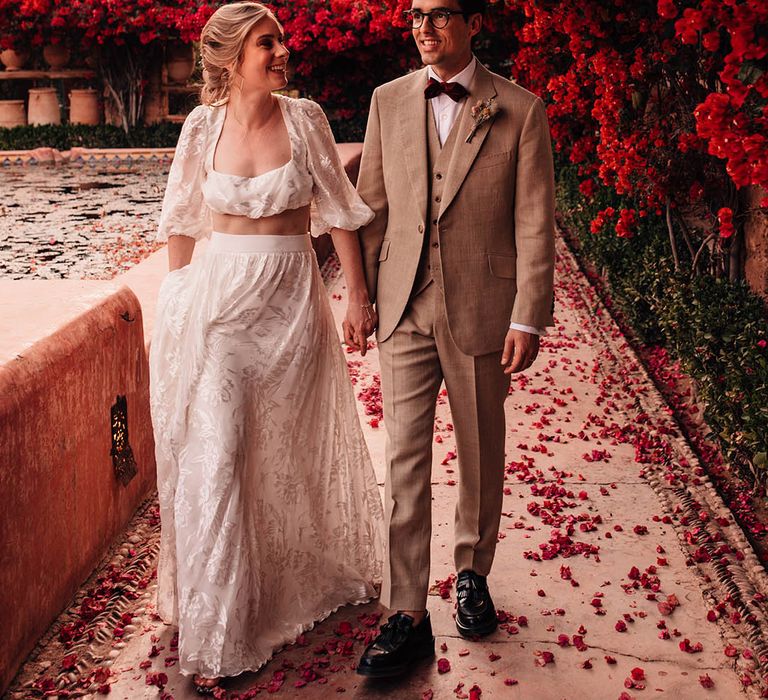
291,222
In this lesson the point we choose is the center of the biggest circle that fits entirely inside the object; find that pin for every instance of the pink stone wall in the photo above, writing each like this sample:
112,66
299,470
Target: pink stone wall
62,506
756,243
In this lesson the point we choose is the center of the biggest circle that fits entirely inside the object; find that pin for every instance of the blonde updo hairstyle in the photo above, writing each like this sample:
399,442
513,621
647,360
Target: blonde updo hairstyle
221,45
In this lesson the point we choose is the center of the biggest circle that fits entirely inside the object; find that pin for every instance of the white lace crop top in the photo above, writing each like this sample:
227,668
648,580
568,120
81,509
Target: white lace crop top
314,175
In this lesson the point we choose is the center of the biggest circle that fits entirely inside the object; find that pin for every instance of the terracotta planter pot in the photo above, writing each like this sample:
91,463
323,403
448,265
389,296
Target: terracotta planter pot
180,62
84,107
56,56
12,113
13,60
43,106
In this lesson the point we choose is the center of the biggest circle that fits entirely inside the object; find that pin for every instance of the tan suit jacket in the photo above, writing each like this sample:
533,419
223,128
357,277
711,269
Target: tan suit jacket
496,217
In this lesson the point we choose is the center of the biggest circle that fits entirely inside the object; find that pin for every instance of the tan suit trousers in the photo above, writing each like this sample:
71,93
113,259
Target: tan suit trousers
415,359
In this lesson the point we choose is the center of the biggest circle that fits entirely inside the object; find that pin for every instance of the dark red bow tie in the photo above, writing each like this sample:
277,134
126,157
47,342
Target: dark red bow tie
455,91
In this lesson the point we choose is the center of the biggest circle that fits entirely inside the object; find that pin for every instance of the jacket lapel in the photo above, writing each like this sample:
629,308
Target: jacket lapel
413,132
464,153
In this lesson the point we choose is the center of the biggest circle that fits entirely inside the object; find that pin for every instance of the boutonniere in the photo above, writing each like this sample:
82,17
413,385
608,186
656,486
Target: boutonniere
482,111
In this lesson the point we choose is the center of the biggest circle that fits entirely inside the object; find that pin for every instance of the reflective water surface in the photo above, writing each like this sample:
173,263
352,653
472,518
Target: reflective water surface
78,221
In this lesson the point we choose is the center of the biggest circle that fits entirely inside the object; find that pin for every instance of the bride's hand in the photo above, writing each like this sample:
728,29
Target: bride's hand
360,321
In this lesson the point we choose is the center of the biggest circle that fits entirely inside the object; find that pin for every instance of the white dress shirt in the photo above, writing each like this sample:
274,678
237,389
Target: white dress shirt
445,110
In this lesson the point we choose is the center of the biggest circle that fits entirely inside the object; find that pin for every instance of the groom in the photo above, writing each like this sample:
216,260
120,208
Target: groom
459,261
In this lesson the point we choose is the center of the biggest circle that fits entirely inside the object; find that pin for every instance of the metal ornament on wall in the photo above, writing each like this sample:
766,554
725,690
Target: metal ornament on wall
122,455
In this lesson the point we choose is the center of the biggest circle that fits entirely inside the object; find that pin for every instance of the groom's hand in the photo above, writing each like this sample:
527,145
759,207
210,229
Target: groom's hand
520,350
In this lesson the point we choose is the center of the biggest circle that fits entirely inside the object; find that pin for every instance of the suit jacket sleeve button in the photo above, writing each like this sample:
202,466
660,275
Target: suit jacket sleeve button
435,245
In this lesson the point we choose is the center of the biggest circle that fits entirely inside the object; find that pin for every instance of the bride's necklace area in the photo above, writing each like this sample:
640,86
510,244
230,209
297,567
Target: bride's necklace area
247,132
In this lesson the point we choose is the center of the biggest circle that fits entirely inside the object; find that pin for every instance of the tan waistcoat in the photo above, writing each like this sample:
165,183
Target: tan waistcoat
439,160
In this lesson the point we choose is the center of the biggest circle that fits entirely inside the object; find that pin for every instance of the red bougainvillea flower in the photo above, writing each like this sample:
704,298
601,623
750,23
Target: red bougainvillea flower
667,9
625,228
443,665
588,188
689,648
158,679
667,607
725,219
602,218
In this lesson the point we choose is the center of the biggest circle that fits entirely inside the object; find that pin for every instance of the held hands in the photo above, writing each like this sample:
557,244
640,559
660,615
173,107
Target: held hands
520,351
360,321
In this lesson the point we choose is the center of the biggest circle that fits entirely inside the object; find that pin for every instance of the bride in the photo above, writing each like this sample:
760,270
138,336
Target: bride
271,516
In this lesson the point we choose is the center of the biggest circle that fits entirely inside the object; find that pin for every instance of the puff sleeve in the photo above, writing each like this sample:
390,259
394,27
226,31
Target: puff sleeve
335,202
184,211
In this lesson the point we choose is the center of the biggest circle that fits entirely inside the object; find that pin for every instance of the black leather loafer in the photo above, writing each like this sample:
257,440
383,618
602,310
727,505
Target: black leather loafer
475,614
397,647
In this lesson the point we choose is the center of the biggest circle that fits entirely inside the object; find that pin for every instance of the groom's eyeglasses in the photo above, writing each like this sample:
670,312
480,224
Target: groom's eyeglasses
437,18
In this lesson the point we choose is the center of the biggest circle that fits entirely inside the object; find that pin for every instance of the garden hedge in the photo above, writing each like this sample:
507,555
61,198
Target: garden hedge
717,328
65,136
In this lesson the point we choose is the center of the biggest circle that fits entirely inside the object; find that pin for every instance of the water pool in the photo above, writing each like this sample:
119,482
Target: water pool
78,221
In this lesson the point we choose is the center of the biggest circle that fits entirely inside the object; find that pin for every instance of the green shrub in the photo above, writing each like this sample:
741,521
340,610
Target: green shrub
163,135
349,130
65,136
717,328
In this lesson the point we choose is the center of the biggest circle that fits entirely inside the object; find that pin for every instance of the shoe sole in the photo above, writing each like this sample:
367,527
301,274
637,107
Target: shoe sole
393,672
483,631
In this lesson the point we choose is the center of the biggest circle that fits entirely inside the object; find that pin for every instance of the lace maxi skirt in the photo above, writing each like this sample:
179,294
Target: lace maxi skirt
271,516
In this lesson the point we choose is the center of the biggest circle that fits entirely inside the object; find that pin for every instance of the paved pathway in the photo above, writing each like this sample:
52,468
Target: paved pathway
619,571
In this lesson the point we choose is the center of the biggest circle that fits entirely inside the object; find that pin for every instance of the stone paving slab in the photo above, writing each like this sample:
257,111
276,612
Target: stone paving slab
585,358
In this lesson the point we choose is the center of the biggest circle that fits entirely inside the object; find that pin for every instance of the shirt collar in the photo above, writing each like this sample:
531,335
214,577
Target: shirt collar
464,77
